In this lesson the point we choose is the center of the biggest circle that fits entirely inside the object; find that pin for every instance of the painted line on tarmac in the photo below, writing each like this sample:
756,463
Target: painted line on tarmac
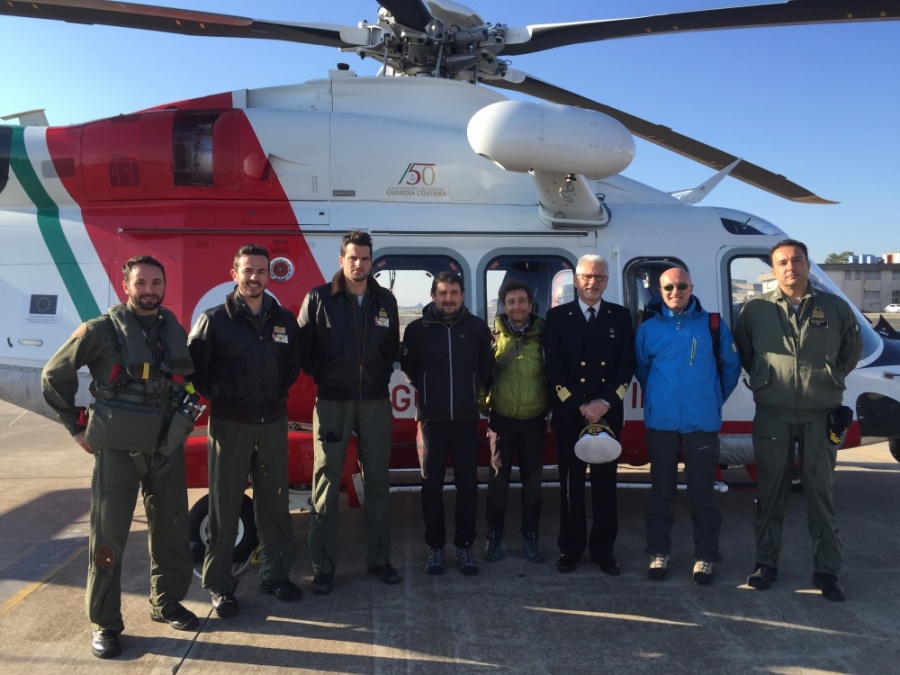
30,573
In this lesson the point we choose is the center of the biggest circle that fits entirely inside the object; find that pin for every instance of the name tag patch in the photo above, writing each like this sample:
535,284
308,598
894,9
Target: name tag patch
818,320
279,334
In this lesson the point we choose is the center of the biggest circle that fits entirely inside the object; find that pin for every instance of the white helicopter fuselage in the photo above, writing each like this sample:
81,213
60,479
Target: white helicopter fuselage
294,168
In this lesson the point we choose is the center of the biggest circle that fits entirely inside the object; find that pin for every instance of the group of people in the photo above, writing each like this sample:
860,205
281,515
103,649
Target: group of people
796,343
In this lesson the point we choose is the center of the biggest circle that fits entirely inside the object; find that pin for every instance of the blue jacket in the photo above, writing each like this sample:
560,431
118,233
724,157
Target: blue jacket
676,367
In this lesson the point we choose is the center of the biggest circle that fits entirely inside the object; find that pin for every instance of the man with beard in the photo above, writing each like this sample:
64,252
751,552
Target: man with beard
447,356
588,363
247,356
137,357
516,406
350,333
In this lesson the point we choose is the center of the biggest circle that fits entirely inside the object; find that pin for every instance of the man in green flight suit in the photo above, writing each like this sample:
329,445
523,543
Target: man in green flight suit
797,343
137,356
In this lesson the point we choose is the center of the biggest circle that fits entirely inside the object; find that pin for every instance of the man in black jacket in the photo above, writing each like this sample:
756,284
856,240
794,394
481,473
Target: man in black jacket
447,356
588,362
350,333
246,357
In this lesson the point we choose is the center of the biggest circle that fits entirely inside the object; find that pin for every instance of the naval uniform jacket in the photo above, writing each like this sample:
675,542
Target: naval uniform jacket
584,363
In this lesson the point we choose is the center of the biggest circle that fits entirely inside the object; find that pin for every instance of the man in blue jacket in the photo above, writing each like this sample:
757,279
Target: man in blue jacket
684,389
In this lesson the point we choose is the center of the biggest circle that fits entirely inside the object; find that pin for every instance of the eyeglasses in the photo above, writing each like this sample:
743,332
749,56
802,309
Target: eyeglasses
593,277
671,287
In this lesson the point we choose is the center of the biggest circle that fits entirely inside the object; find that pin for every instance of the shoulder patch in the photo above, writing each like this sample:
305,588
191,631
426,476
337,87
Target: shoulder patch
79,333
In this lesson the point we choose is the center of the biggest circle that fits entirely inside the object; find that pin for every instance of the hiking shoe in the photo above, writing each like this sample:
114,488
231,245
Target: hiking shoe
323,584
761,577
385,573
466,559
659,567
493,547
435,562
703,572
532,549
225,604
830,586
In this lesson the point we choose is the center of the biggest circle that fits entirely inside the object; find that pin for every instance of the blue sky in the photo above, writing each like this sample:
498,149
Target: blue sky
818,104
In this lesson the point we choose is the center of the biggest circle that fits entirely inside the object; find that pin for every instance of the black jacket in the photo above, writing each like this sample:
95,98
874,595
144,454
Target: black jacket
583,363
447,364
245,365
349,349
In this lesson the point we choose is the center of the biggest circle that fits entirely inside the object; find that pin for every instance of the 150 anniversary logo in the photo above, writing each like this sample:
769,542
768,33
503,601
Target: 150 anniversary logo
417,181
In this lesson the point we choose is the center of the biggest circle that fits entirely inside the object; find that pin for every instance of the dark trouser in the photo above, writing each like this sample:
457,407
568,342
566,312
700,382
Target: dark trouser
701,454
333,425
114,490
773,450
436,442
506,435
238,451
572,518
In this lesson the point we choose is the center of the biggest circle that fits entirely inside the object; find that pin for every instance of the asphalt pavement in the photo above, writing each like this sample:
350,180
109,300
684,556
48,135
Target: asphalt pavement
514,617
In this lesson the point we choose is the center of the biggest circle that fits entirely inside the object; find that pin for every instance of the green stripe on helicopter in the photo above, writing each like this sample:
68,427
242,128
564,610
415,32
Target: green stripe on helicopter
51,230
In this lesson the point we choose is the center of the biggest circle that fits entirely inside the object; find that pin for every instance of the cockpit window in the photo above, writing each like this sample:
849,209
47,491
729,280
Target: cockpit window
738,222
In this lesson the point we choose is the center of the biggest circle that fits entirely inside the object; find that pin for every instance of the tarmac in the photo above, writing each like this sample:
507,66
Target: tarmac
514,617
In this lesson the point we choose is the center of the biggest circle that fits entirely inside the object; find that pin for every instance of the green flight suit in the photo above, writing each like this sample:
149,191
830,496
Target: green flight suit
797,362
118,474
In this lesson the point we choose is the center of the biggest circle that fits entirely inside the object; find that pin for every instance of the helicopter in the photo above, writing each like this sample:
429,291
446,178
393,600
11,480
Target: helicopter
449,156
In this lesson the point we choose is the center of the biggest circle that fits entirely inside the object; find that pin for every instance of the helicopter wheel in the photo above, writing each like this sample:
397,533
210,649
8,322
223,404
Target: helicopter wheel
198,522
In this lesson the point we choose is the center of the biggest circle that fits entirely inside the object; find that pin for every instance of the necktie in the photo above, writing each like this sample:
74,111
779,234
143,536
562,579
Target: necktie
592,316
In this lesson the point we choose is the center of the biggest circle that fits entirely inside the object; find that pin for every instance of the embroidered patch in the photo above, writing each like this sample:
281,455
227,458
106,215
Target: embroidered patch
279,334
818,320
382,320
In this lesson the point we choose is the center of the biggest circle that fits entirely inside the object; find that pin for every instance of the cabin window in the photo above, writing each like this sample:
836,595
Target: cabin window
549,277
750,277
642,283
409,278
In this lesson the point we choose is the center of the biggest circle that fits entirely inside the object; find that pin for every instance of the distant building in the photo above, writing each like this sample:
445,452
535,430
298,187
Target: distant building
870,286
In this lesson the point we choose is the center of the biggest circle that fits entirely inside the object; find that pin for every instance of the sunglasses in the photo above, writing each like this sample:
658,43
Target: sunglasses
671,287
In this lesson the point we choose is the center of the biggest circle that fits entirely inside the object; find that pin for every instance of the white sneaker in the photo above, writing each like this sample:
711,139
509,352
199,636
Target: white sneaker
703,572
659,567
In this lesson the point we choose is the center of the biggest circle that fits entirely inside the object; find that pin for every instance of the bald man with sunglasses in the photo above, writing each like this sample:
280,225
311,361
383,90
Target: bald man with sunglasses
684,390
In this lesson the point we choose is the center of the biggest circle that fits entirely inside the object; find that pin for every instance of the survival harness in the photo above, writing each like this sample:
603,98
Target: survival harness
145,378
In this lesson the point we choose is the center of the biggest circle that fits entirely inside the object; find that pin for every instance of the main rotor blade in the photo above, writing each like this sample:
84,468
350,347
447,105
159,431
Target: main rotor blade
539,37
410,13
666,138
184,22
